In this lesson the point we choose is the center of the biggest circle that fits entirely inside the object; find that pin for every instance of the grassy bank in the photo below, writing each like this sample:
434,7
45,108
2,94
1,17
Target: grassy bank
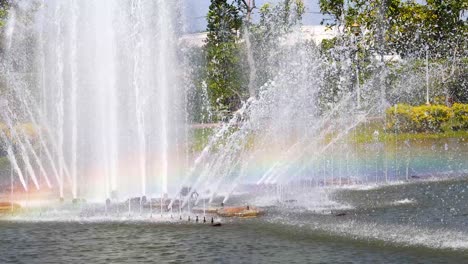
366,133
369,132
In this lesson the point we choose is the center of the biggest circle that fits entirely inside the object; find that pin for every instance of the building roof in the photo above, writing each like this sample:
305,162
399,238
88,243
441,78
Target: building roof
316,33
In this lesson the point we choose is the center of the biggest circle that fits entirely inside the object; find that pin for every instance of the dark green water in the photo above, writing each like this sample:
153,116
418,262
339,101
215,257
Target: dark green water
419,222
240,242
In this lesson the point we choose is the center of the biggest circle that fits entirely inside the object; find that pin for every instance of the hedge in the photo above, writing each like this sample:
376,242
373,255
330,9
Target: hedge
460,116
427,118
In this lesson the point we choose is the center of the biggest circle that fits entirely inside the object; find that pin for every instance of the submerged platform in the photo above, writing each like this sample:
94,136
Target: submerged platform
7,207
240,211
232,211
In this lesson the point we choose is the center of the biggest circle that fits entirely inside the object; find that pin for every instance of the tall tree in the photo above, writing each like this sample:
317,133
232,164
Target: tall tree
246,7
275,22
225,81
412,29
403,27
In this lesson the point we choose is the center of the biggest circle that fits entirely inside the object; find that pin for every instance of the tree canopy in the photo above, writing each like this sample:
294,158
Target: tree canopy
223,75
403,27
4,5
227,69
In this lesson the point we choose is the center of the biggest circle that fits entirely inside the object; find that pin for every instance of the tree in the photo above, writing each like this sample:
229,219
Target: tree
246,7
225,81
410,29
4,5
275,22
403,27
447,28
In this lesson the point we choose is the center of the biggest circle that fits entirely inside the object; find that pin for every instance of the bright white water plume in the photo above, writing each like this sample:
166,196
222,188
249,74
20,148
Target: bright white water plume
97,85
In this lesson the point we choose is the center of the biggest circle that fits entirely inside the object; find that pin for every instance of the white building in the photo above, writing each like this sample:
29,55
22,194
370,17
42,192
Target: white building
316,33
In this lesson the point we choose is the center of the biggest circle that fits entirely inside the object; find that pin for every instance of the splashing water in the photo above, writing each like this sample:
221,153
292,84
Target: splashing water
97,81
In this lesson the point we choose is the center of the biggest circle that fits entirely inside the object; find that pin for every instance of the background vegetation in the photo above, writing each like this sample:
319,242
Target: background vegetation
427,118
424,36
369,30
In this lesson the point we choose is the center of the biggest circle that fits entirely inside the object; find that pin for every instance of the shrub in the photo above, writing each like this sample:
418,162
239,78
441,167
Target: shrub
430,117
399,117
460,116
427,118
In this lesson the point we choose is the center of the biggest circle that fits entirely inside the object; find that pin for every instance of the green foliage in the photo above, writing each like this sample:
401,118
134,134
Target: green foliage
430,117
333,9
453,79
460,117
227,71
4,5
365,133
200,138
427,118
403,27
223,22
283,15
399,117
328,44
437,26
223,72
276,20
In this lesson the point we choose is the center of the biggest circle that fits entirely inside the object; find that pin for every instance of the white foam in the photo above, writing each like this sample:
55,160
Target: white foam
406,235
403,201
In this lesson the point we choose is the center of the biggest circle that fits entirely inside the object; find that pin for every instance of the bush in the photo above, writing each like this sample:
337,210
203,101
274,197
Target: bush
430,117
427,118
460,116
399,117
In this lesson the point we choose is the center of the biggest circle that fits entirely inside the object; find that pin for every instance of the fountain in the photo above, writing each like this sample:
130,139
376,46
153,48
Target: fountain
97,82
100,148
102,87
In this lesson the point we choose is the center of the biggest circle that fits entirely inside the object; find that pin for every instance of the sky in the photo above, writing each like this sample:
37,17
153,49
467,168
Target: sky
196,11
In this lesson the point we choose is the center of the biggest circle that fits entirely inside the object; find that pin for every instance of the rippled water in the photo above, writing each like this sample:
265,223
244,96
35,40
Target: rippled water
241,242
419,222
